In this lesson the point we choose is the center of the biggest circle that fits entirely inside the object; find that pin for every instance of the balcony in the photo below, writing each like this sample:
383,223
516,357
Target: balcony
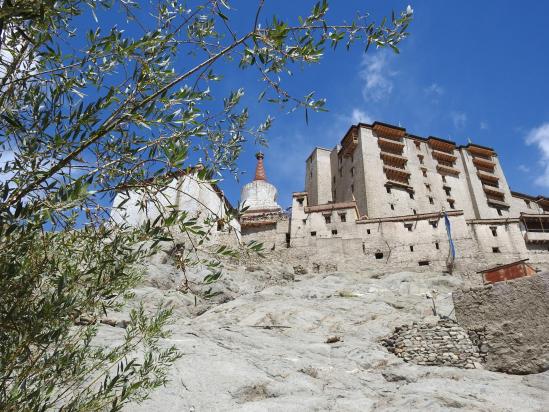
447,170
444,156
484,164
497,202
391,146
388,131
396,174
536,237
392,159
487,177
441,145
480,151
350,142
494,192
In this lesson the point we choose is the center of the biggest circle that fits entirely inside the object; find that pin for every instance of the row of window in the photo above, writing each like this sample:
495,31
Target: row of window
342,217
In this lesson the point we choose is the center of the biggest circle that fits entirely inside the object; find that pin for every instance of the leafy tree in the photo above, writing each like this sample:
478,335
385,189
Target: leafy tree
88,107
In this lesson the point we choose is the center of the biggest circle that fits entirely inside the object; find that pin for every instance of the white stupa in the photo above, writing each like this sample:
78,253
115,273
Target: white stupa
259,196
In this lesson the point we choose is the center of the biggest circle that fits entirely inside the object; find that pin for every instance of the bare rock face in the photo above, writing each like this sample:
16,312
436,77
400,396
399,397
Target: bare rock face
270,347
513,318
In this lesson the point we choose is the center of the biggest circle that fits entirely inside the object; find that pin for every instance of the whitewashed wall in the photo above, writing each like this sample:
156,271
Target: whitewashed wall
185,193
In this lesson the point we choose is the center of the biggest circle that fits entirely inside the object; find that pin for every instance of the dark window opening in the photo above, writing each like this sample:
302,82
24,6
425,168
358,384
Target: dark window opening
411,248
408,226
428,186
328,218
363,247
451,203
343,217
423,263
444,179
334,232
437,245
420,157
304,220
313,233
300,201
287,240
431,201
411,195
499,212
495,250
379,255
494,231
434,223
415,212
352,171
220,225
424,173
447,190
388,189
368,231
392,207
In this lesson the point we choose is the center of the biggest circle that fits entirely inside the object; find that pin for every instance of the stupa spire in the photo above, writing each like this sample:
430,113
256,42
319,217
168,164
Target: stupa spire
260,169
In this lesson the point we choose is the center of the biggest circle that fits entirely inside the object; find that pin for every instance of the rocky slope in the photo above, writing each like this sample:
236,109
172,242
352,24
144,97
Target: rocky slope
279,341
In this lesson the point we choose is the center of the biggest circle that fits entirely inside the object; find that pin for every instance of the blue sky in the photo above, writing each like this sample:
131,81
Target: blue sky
469,70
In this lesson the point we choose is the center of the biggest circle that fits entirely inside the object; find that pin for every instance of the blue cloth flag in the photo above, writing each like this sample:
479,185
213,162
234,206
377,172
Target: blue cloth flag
449,231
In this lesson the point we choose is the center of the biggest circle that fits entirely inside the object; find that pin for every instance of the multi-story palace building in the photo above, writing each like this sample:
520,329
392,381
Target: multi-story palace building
385,196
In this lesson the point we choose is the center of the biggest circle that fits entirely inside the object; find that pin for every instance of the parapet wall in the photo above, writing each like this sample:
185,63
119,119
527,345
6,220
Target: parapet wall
514,319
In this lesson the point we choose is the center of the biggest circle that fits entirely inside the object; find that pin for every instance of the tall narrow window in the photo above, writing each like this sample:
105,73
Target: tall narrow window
428,187
343,217
431,201
499,212
494,231
388,189
328,218
411,194
451,203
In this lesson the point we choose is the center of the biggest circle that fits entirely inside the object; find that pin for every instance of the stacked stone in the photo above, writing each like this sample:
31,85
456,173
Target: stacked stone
441,344
479,338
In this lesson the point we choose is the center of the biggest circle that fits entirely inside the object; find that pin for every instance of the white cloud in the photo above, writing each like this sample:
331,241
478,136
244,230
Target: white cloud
539,136
523,168
359,116
484,126
377,74
459,119
434,89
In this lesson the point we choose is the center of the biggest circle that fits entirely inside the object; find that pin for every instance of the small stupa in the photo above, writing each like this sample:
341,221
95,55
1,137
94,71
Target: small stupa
259,195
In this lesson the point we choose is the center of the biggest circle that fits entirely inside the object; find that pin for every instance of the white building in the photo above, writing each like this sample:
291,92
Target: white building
186,191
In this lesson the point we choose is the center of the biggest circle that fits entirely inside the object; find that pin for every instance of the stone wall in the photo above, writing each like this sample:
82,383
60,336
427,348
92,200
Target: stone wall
514,317
442,344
